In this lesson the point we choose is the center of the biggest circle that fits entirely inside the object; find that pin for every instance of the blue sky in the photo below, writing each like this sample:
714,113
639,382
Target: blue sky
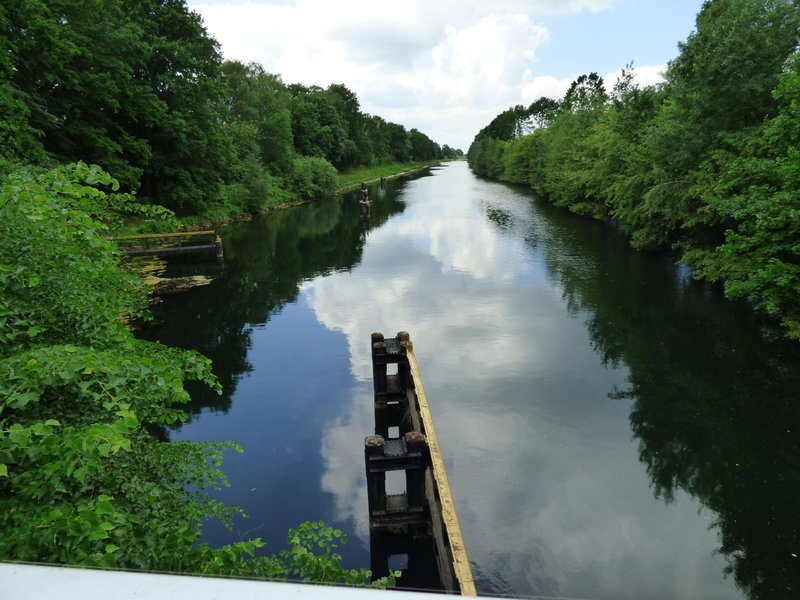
447,67
645,31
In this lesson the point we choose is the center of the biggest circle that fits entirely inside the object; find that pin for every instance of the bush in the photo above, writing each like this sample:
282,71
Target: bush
313,177
81,479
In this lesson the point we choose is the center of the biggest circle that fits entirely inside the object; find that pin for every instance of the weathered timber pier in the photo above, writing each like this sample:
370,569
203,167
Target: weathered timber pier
405,440
207,243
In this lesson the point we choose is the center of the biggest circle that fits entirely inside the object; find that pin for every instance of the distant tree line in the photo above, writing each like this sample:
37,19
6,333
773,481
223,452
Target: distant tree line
140,89
707,163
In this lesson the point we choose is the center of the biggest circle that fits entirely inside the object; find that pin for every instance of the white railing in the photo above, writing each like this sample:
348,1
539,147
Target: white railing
43,582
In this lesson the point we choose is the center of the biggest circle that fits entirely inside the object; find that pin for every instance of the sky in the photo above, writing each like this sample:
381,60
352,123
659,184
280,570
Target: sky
448,67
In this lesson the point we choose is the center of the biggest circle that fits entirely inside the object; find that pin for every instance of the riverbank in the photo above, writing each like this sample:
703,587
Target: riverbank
350,180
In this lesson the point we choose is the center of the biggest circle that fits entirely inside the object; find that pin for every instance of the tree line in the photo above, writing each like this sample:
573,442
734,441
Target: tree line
140,89
706,163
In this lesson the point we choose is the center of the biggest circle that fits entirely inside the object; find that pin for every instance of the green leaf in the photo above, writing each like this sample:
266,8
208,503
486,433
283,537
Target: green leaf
98,534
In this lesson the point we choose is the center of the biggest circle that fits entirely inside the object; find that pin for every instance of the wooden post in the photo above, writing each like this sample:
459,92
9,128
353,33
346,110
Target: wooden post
378,554
374,445
403,371
415,478
378,362
218,245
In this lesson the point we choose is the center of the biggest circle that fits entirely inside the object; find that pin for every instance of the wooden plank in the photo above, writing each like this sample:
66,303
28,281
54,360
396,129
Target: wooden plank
460,560
444,557
165,250
146,236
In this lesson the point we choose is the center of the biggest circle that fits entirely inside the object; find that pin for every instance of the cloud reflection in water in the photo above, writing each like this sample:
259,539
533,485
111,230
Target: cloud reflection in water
550,492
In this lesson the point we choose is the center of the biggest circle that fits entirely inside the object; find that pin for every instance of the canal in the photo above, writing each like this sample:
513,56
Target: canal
611,428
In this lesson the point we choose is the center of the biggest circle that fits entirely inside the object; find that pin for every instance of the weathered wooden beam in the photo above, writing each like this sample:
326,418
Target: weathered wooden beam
407,454
428,500
461,565
166,250
176,243
164,235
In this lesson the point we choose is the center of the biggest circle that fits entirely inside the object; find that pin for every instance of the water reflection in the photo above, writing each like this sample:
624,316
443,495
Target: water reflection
547,481
716,412
265,261
611,428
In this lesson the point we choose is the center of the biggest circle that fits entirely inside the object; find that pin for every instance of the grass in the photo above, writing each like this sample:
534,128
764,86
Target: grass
352,179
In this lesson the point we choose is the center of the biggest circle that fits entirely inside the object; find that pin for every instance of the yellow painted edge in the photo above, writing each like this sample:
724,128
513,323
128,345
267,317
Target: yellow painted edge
461,565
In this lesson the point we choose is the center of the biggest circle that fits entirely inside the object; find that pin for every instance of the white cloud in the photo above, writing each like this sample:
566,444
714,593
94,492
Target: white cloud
642,76
545,85
446,68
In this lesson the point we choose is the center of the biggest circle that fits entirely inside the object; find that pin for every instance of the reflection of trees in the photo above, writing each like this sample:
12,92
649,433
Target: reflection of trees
715,389
265,260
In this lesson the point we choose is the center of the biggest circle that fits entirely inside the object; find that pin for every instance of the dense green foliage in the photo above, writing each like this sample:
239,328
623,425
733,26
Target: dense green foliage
706,163
83,480
140,89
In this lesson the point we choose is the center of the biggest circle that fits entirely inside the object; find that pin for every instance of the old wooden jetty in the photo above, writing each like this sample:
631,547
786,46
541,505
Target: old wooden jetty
405,440
203,243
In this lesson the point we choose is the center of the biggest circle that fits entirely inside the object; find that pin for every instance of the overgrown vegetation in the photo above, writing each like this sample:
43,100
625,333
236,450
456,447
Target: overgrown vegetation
706,163
82,478
352,178
137,90
140,89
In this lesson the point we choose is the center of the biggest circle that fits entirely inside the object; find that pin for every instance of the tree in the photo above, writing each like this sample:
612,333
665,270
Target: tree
422,147
723,77
63,53
757,195
507,125
717,93
576,138
587,92
377,133
542,111
357,149
704,163
188,141
140,89
318,128
524,160
133,87
260,98
399,144
19,140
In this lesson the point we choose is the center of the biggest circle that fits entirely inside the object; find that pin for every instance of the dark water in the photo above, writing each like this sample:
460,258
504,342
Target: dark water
612,429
